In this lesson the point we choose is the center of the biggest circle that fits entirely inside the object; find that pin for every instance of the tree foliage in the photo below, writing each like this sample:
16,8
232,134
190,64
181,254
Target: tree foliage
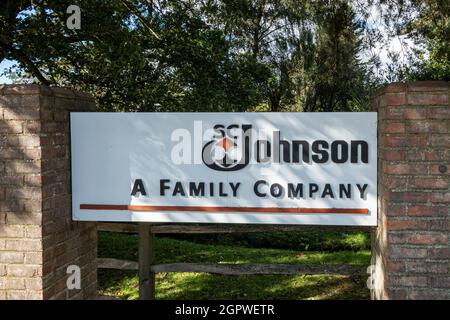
432,26
215,55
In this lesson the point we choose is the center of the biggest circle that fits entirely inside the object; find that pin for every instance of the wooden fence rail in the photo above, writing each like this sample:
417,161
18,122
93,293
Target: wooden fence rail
238,269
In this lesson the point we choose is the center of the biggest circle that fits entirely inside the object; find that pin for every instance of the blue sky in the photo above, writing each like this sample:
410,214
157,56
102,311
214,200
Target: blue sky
4,65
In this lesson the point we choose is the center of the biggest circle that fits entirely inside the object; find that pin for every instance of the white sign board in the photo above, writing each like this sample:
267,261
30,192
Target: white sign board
263,168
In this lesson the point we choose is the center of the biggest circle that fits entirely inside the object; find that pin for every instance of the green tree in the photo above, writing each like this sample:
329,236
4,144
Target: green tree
213,55
337,77
426,23
132,55
432,26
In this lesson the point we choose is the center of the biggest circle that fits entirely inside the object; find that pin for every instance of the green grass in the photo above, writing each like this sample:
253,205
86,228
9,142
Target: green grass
124,284
198,286
299,241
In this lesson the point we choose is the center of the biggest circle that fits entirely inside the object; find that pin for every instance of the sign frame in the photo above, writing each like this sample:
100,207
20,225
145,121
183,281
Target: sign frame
92,151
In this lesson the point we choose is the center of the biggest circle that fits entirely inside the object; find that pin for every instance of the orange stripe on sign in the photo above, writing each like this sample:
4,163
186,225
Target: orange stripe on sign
222,209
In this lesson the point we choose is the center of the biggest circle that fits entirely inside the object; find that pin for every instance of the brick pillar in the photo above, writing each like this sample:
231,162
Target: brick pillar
38,239
410,247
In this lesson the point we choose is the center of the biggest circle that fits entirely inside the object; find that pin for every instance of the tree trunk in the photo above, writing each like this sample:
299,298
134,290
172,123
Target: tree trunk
274,102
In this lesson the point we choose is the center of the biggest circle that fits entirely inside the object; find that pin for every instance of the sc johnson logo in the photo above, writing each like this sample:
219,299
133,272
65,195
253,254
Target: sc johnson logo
232,148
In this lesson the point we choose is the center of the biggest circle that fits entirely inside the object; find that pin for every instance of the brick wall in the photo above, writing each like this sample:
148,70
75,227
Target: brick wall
410,247
38,239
